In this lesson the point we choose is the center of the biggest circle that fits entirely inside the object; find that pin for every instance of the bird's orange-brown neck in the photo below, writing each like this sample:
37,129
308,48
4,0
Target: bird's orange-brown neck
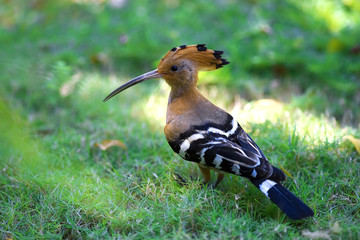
183,101
190,108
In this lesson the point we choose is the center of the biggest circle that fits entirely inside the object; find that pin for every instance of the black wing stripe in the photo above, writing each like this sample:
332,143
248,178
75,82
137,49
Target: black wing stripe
233,154
246,142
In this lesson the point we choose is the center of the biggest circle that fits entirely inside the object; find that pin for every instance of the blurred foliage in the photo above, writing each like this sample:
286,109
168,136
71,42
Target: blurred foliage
284,48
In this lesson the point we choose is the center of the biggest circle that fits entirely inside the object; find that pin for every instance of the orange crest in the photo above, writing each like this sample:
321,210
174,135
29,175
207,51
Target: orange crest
204,59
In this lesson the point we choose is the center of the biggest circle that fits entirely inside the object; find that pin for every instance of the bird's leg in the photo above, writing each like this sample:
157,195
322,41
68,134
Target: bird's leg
220,177
206,174
207,177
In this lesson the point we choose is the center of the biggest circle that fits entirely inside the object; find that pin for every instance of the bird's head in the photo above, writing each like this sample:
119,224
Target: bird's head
179,67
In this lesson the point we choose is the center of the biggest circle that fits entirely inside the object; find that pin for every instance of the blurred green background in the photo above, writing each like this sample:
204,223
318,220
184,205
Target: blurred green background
60,58
303,52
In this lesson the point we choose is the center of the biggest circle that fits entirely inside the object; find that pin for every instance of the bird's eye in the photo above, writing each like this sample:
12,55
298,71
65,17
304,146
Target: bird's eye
174,68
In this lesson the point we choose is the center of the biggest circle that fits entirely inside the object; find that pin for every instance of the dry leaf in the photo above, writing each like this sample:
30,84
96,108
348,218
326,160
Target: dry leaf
106,144
286,172
316,234
354,141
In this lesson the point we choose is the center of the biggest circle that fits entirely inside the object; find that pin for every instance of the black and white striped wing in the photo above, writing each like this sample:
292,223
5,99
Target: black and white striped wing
225,148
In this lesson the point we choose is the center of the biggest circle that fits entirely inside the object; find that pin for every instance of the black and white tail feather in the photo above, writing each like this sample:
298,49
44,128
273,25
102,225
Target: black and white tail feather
228,148
291,205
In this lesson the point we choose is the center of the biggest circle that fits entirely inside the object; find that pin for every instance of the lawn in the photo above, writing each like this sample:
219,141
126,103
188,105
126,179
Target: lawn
293,84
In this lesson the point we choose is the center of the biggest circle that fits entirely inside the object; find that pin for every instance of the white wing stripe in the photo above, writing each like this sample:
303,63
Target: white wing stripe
235,126
195,137
241,163
184,147
217,161
240,150
215,130
252,145
202,154
186,143
236,169
228,133
254,173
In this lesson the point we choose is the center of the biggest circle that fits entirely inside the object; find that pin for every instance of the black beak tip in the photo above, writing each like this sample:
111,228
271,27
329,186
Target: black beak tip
105,99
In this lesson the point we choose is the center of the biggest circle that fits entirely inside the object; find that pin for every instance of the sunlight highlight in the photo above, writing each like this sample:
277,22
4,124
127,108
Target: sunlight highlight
332,12
310,128
262,110
154,108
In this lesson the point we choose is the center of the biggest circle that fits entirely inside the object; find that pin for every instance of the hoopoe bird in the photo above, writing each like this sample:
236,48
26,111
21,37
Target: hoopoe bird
203,133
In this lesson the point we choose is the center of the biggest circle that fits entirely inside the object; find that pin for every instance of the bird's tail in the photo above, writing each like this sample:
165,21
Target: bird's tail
291,205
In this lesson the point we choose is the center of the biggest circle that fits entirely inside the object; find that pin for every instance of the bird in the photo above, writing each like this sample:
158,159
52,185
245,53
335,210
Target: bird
203,133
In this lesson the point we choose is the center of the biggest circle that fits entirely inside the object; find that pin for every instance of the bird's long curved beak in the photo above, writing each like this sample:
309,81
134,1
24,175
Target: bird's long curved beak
146,76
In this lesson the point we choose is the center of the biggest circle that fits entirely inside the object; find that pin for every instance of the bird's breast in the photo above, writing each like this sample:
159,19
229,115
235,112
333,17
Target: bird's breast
183,117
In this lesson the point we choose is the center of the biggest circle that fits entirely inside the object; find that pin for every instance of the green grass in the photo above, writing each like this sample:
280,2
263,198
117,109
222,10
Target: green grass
55,184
